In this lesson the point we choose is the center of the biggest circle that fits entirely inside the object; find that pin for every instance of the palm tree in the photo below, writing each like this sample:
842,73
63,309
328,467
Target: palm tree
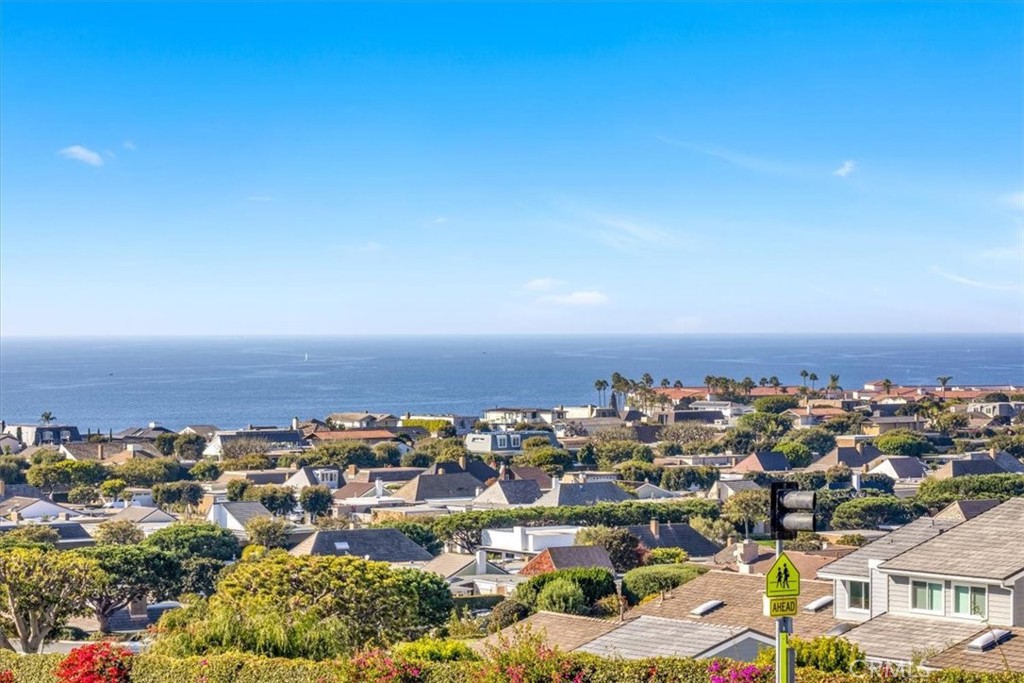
647,380
665,383
708,381
678,384
887,383
814,378
943,381
748,385
601,385
763,382
774,382
833,384
46,418
804,375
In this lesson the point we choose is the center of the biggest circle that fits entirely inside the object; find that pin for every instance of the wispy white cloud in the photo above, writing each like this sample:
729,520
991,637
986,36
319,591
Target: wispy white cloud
259,198
129,145
848,167
440,220
1014,200
583,298
735,158
970,282
624,234
542,284
83,154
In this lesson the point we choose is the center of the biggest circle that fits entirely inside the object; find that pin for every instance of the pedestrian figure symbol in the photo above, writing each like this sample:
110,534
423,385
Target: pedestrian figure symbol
783,579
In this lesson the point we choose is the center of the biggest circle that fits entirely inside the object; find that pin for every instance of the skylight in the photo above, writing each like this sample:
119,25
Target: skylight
340,545
704,608
988,640
819,604
838,629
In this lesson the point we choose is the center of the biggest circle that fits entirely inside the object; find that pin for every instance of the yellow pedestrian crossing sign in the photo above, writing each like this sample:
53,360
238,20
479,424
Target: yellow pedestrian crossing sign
783,579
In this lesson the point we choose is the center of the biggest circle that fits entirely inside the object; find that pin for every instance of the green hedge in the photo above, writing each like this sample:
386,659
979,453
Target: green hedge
471,602
240,668
638,583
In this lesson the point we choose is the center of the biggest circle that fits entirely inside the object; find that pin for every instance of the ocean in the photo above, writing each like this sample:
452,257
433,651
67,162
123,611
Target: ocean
103,384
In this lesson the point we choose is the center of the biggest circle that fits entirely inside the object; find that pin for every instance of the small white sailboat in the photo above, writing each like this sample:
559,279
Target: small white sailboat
306,358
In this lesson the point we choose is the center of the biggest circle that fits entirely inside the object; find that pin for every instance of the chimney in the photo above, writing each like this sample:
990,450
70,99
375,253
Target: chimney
656,528
522,537
503,473
859,445
351,470
378,488
855,480
808,408
462,462
153,425
3,489
137,608
556,485
99,451
63,516
15,516
295,423
479,490
747,552
481,562
992,452
583,477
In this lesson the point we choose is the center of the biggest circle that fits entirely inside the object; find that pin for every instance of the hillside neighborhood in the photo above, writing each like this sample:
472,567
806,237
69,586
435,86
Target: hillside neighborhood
631,528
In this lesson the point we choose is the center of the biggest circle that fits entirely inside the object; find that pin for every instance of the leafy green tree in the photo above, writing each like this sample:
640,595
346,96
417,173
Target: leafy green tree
850,423
237,489
552,460
506,613
165,443
878,482
1011,443
195,539
40,590
316,500
179,494
199,575
817,439
83,495
388,453
316,607
239,448
447,450
119,532
252,461
609,453
776,404
142,472
269,532
683,478
638,583
625,549
12,469
903,442
639,471
342,455
746,508
279,500
434,598
797,454
536,442
687,433
562,596
112,489
30,535
947,423
47,456
767,426
205,470
872,512
938,492
416,459
129,572
189,446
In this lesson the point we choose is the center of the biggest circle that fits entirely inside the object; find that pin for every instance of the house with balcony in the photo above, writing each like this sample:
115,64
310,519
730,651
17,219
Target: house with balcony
504,442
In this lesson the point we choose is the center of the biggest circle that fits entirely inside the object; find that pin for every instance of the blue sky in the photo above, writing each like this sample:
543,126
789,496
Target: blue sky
414,168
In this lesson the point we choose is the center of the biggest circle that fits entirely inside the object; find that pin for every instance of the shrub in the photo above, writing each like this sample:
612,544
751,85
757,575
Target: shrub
96,663
562,595
776,404
506,613
869,513
593,581
852,539
639,583
827,654
624,549
434,650
667,556
902,442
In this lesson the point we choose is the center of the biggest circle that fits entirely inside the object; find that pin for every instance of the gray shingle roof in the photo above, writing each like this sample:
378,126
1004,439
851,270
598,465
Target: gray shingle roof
258,477
963,468
902,638
888,547
452,564
510,492
439,486
905,467
659,637
985,547
244,511
583,494
382,545
846,455
964,510
675,536
139,515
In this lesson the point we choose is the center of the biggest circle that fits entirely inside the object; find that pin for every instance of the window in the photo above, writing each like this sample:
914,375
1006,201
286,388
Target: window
925,596
516,441
502,442
858,595
970,601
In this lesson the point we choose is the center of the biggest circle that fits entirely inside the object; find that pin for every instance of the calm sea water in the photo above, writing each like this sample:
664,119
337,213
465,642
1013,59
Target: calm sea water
231,382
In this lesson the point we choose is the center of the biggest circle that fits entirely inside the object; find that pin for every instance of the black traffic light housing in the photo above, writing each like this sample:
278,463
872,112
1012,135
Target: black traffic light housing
791,510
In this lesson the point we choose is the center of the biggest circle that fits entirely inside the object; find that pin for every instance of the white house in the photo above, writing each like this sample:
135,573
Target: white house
234,516
22,507
522,540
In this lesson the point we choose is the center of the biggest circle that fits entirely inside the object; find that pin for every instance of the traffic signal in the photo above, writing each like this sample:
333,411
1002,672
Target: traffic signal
791,510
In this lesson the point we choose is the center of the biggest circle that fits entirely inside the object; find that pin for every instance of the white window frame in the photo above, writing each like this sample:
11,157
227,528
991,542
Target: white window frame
849,596
502,441
942,597
516,440
969,587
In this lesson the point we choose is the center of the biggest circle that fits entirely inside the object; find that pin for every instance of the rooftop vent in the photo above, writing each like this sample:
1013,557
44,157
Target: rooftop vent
988,640
340,545
819,604
704,608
